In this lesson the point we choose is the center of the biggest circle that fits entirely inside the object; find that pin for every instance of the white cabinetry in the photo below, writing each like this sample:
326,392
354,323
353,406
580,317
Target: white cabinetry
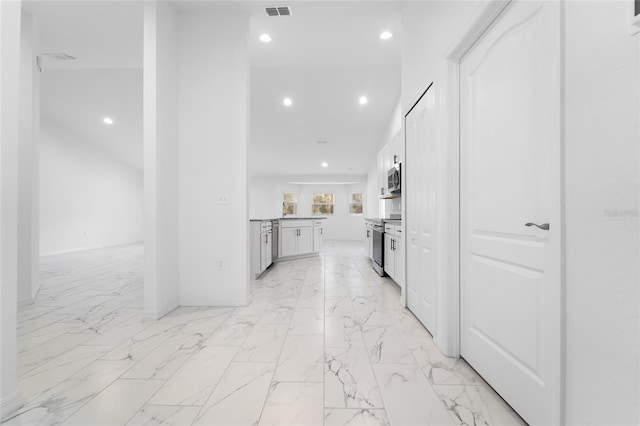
394,263
260,246
382,180
296,237
392,153
369,239
389,255
317,236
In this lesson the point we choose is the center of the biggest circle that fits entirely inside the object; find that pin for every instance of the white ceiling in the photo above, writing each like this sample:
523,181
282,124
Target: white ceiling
324,57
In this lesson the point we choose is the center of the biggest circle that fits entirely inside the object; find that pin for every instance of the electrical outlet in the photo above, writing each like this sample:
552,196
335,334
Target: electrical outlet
223,200
220,264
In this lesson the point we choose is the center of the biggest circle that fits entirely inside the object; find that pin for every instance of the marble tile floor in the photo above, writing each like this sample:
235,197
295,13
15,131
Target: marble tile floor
323,342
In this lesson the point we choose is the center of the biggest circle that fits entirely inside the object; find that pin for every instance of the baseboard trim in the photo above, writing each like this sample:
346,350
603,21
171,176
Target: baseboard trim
215,302
9,405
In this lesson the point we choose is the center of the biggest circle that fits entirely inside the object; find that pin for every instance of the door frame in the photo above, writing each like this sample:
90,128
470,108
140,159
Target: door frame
449,340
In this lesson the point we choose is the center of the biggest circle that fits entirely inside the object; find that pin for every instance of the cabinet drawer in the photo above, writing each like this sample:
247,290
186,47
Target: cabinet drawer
296,223
389,229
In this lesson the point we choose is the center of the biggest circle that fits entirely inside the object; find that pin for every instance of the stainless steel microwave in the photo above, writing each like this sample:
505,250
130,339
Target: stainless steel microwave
394,179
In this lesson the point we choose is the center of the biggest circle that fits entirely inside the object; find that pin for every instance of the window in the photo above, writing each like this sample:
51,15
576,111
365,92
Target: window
322,204
355,203
289,203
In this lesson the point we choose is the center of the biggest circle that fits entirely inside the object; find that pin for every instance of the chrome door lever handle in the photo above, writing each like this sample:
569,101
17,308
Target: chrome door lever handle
544,226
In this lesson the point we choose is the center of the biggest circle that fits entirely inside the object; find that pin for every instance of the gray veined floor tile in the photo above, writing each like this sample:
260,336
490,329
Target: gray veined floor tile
386,346
263,344
476,406
166,415
239,397
116,404
164,360
324,340
409,398
349,379
338,306
194,382
342,332
295,404
301,359
307,321
233,331
438,368
355,417
52,403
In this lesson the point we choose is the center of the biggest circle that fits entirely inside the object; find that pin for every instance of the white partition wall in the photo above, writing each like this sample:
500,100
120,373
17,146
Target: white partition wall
213,118
9,116
28,163
161,280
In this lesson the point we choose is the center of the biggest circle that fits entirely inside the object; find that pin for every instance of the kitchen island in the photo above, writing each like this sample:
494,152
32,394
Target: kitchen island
285,238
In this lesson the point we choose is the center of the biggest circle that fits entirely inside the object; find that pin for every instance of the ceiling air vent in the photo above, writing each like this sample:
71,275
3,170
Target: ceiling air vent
59,56
278,11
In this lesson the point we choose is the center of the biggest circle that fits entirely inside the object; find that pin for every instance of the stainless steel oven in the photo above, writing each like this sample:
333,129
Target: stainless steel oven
378,247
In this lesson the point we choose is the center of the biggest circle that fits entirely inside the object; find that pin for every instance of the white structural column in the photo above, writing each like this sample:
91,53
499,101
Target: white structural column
28,164
161,283
214,95
9,114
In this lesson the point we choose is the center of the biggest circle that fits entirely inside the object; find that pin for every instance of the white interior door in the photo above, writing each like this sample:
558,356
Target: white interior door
510,284
419,189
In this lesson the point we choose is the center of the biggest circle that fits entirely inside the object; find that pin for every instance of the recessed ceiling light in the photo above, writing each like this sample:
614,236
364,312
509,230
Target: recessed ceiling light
386,35
265,38
363,100
107,120
325,164
287,101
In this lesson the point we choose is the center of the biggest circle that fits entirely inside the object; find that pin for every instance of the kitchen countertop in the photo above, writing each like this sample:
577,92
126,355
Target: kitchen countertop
289,218
376,219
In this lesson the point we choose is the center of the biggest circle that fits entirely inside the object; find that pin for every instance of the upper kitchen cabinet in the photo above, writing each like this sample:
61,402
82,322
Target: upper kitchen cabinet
397,149
382,178
392,153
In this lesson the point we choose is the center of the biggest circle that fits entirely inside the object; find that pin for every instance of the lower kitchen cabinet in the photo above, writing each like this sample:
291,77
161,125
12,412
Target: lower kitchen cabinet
317,236
296,237
394,263
260,246
369,239
389,255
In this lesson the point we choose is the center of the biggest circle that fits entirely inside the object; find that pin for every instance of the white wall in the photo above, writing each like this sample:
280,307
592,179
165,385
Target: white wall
266,202
375,207
213,128
28,164
87,198
429,30
9,118
602,226
601,189
160,123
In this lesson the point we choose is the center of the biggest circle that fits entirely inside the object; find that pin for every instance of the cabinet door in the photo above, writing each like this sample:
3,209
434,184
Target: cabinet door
305,240
399,260
382,177
317,239
371,244
397,148
267,250
387,163
389,256
289,241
